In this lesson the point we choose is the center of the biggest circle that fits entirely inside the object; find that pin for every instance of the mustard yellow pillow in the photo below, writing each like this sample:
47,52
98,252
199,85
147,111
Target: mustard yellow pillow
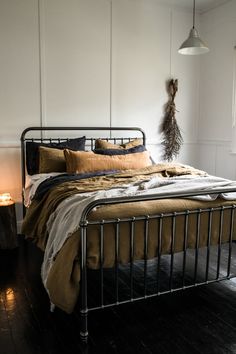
83,162
103,144
51,160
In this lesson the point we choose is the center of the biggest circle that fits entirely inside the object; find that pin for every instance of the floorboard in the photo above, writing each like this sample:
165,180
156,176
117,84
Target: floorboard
197,321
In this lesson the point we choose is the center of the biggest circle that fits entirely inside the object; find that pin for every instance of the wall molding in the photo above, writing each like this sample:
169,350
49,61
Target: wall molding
153,141
42,74
214,142
16,144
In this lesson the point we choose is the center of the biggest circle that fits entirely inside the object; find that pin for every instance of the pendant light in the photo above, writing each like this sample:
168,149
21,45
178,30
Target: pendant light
193,44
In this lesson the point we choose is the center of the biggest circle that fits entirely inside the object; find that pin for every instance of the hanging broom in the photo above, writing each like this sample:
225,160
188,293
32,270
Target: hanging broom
172,135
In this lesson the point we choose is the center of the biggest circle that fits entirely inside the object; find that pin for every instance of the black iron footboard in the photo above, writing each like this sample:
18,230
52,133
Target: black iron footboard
201,271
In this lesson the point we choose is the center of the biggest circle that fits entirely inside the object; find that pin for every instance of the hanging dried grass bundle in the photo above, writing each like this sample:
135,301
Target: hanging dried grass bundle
172,135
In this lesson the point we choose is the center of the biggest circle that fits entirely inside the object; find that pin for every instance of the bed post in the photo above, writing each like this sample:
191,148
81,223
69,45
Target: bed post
83,283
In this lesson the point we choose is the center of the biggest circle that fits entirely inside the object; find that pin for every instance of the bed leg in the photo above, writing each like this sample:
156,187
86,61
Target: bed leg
84,326
84,304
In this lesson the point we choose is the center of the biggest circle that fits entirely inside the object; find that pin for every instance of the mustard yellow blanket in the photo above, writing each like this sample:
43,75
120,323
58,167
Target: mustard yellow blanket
64,277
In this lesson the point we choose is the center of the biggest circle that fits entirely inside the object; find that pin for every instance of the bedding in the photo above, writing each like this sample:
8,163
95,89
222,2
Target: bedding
61,263
113,151
32,183
88,161
58,160
106,148
32,151
104,144
51,160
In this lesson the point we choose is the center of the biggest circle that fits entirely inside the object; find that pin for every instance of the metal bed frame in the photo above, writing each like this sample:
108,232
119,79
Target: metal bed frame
84,223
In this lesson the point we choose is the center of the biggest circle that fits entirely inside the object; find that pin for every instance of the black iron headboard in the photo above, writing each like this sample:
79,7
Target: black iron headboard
90,141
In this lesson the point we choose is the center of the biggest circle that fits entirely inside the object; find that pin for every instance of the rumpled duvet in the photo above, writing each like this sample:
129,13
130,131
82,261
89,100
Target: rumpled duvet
52,220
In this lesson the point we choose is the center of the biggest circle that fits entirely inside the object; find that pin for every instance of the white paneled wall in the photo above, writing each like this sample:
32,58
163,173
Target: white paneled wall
140,63
76,71
19,68
218,28
92,62
19,87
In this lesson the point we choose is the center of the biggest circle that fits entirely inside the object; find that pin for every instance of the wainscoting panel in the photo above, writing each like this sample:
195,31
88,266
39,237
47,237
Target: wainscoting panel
76,62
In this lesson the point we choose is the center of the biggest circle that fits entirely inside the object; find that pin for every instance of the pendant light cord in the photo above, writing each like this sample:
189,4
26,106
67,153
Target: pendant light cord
111,49
193,13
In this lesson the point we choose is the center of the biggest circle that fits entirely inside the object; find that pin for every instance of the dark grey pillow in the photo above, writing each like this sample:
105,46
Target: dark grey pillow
32,151
133,150
111,152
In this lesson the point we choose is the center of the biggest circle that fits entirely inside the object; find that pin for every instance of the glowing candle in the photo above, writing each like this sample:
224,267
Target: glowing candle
5,199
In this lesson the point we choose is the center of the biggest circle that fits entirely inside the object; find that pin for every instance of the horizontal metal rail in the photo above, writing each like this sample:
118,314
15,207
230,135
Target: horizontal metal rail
101,202
161,215
186,287
79,128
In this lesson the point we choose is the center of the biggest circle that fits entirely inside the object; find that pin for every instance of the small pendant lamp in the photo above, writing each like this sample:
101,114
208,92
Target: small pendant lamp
193,44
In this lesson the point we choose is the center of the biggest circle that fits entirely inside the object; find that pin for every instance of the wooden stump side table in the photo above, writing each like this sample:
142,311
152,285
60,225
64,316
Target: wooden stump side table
8,229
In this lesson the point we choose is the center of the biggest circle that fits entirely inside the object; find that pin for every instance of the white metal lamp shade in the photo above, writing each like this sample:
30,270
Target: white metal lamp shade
193,44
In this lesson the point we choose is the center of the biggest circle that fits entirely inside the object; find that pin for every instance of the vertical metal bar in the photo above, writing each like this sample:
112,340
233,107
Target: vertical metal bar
172,250
145,254
101,262
230,239
117,260
144,139
197,245
132,226
23,170
219,242
159,252
84,305
185,246
208,244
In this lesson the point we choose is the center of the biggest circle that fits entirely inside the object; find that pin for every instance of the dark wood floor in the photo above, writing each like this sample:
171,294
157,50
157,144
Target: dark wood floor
200,320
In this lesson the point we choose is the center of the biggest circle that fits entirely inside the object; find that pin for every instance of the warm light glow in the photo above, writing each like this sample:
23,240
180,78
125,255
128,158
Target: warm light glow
10,296
5,199
10,300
